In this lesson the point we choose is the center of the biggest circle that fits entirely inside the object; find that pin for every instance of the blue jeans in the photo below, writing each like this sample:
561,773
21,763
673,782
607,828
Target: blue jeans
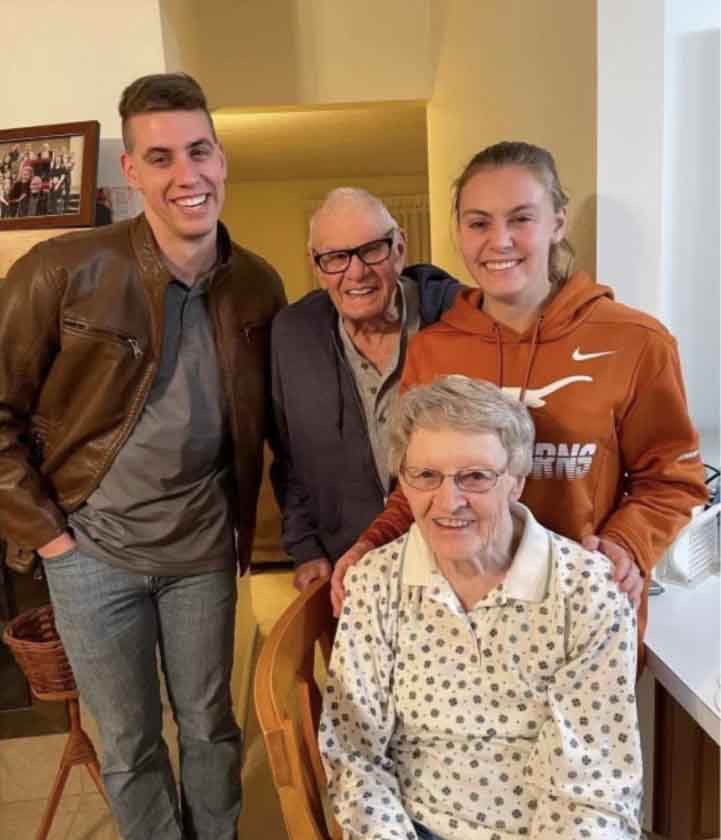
112,622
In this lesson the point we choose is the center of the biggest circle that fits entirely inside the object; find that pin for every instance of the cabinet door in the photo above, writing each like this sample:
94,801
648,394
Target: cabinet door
686,794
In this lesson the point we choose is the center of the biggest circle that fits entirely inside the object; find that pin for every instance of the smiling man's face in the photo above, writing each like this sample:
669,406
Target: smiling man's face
179,167
361,292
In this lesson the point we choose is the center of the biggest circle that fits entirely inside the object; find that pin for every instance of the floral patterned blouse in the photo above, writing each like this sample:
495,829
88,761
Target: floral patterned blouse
516,718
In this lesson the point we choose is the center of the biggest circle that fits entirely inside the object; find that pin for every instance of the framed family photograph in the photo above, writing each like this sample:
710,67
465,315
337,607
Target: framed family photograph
48,175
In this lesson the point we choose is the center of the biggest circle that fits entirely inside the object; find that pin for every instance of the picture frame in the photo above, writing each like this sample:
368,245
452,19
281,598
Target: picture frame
48,175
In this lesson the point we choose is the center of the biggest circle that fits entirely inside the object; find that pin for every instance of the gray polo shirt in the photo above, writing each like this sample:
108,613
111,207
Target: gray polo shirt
379,391
163,507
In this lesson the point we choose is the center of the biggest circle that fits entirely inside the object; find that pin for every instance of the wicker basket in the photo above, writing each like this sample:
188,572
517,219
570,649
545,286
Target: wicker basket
37,648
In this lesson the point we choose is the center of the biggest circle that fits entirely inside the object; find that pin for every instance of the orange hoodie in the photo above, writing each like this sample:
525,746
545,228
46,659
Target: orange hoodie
616,453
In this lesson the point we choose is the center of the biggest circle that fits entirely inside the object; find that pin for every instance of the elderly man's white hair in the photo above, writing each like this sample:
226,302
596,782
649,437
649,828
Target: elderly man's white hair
342,198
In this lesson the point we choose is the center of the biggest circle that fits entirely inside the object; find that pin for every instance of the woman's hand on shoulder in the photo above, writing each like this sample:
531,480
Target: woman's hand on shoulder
355,553
627,574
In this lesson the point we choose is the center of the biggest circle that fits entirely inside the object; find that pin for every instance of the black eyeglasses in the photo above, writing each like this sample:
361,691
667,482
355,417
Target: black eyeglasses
369,253
472,480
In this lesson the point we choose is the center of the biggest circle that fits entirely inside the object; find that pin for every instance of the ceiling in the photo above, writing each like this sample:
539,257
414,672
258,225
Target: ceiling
361,140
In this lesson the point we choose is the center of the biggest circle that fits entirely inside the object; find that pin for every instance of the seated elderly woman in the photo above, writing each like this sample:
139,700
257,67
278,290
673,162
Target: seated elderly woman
482,679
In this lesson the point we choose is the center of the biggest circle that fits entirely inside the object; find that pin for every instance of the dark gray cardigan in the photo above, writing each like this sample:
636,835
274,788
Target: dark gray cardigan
324,474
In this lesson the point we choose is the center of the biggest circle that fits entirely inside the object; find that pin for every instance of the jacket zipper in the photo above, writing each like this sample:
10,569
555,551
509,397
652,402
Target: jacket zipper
139,397
136,403
246,328
82,328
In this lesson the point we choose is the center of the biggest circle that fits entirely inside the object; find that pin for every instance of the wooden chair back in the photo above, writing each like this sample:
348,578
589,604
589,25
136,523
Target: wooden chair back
288,703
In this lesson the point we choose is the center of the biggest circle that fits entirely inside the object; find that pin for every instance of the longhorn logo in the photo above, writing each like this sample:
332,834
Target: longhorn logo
534,397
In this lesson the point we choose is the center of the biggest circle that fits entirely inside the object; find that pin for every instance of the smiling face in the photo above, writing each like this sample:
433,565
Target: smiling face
460,526
362,293
506,226
178,166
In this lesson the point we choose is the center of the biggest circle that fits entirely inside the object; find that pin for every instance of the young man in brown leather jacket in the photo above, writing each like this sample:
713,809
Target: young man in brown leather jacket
133,407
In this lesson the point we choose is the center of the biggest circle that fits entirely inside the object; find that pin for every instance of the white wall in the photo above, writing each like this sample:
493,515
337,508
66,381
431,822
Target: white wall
658,197
690,303
64,62
68,62
658,177
630,150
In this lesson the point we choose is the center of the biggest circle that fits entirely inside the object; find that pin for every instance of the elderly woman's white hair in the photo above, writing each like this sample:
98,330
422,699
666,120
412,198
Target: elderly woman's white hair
465,405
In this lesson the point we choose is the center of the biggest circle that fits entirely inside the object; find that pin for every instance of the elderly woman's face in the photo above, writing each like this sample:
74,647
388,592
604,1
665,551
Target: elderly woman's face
459,525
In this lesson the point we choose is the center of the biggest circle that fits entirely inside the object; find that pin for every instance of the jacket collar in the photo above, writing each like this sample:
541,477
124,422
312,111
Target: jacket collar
150,260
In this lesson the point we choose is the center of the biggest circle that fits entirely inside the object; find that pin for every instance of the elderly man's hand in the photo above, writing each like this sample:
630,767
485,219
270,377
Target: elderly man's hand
350,558
308,572
626,573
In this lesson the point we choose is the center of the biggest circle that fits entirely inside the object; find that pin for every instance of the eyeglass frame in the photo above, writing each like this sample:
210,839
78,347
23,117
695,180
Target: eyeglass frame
454,476
356,252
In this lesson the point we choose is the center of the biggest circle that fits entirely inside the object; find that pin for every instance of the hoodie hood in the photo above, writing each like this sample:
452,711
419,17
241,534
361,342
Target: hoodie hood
437,290
574,302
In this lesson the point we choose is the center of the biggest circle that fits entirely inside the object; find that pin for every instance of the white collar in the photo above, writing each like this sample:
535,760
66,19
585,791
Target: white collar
526,579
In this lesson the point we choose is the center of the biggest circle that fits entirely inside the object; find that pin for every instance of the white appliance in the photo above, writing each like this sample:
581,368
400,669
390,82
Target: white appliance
696,550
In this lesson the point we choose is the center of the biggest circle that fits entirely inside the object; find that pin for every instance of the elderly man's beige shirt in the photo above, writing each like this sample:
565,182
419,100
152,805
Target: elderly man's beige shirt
516,718
378,391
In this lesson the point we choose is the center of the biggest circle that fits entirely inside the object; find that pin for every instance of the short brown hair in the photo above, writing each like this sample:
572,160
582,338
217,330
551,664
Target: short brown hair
161,92
540,163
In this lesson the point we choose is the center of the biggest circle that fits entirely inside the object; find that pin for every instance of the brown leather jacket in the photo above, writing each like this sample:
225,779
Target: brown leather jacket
81,320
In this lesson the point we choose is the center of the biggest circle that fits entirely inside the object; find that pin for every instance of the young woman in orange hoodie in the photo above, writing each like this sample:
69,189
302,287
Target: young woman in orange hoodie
616,459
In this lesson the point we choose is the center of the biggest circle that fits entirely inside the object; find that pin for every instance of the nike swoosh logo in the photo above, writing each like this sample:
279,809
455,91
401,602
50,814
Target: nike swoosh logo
578,356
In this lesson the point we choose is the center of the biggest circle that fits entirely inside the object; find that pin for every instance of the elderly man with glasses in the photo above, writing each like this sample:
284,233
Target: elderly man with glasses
337,359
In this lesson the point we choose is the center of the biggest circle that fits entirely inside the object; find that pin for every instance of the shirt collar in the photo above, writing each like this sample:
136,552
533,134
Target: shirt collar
527,578
530,572
150,258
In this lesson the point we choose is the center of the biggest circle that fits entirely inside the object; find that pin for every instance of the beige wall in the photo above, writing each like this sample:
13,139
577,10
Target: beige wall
269,217
289,52
370,51
514,69
491,69
499,69
243,53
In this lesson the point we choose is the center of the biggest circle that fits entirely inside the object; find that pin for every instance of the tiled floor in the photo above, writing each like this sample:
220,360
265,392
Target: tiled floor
28,765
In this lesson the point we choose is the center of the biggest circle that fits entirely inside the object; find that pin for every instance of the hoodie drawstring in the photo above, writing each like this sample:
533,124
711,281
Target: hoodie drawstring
499,354
531,358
